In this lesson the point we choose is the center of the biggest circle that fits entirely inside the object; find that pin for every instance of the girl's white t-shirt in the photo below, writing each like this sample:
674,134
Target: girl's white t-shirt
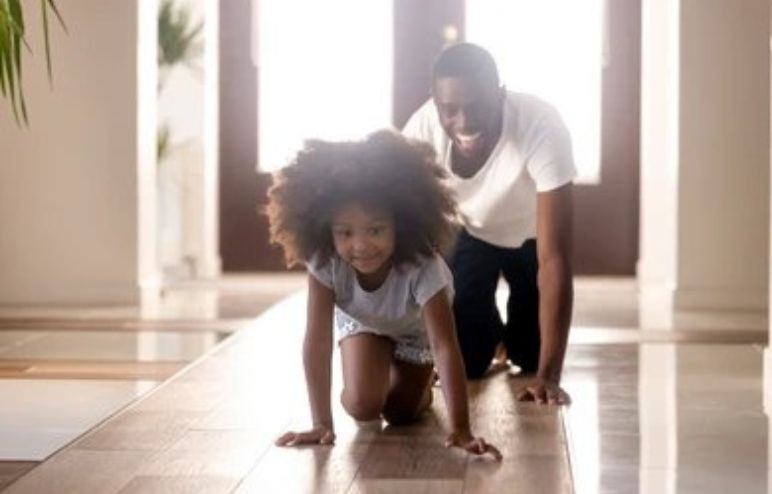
533,154
394,309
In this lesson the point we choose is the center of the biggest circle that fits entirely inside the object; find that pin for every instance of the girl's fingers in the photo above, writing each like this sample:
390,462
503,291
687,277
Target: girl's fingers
311,437
494,451
327,438
480,447
286,439
476,446
307,438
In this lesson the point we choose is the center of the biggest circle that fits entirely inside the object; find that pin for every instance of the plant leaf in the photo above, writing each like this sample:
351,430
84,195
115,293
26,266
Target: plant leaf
44,12
58,15
6,52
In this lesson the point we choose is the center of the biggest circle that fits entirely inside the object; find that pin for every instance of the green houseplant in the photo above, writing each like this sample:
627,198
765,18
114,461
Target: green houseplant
12,30
179,43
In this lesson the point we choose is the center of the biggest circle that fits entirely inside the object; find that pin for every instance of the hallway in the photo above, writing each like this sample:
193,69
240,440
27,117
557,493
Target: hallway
653,411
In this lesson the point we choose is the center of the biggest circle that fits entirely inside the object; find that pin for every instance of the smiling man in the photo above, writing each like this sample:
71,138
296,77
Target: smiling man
510,163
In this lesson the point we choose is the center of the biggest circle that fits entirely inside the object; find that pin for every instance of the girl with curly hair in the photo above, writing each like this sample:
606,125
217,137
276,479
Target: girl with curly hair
369,220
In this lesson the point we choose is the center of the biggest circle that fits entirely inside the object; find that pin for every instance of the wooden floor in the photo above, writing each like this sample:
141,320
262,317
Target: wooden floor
211,429
641,398
12,470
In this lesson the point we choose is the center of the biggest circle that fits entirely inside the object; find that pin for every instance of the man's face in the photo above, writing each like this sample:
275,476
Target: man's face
470,113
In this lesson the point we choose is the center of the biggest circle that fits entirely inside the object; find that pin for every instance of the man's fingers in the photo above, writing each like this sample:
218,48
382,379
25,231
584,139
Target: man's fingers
565,399
526,395
557,397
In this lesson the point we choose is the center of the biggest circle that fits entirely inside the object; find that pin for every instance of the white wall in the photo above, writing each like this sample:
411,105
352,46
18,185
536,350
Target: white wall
69,189
705,156
724,155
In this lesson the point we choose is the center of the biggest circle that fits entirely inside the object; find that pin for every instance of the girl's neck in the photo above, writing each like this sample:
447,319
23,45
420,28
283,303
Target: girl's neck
373,281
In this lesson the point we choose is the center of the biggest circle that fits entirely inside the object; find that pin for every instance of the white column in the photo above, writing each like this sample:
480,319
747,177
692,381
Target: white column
211,264
659,160
74,185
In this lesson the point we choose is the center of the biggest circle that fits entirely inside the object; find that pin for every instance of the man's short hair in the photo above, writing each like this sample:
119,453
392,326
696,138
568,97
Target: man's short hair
466,60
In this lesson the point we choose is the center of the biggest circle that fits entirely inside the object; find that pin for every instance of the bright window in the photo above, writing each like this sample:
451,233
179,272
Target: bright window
552,49
325,72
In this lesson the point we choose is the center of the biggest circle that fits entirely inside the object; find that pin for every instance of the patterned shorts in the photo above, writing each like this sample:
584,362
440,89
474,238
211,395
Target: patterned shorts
413,350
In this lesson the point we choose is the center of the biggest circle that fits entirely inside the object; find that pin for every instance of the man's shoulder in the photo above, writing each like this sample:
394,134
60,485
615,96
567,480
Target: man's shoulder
529,104
532,114
426,113
424,125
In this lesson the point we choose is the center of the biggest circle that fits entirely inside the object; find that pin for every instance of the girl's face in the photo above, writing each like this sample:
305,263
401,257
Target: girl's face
364,237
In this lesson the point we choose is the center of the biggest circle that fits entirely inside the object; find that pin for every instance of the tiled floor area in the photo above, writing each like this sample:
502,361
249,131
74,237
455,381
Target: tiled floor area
654,410
65,370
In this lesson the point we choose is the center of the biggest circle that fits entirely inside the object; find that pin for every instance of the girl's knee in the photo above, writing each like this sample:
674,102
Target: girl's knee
400,416
404,414
360,407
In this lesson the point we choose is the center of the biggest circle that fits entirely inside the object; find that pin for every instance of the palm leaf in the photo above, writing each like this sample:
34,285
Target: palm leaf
12,29
7,37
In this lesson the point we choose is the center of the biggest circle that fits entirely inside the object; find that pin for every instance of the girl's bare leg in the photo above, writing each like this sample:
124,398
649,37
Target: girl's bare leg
410,392
366,360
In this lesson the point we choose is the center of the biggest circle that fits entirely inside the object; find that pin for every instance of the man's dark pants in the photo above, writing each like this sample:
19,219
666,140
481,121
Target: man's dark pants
477,266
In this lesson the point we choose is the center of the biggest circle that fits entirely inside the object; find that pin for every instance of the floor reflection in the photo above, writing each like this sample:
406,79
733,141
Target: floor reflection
37,417
666,418
40,415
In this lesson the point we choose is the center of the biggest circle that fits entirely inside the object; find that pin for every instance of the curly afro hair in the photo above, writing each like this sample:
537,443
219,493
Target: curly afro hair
386,172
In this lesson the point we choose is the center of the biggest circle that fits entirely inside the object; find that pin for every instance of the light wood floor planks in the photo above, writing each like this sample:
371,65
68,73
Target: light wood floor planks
211,429
12,470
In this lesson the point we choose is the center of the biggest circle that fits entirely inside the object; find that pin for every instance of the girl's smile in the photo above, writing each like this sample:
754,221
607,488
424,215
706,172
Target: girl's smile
364,237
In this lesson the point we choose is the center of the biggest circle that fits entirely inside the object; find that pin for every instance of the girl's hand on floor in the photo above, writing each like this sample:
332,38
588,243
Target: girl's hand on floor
471,444
318,435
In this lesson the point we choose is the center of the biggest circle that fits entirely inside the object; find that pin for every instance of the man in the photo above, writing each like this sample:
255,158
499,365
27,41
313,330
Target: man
510,162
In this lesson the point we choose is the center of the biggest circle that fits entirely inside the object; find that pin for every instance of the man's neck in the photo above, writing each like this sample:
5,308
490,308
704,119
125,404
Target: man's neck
466,167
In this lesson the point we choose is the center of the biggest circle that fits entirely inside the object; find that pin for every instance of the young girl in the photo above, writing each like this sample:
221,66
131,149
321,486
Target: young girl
368,218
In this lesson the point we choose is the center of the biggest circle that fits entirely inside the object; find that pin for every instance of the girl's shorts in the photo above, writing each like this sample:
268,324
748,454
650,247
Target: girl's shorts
410,349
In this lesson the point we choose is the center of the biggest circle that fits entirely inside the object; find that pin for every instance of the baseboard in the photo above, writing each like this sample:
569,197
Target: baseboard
699,298
768,381
71,295
655,304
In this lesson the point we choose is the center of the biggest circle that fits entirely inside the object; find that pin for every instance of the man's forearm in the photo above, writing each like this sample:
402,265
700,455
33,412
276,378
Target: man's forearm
556,295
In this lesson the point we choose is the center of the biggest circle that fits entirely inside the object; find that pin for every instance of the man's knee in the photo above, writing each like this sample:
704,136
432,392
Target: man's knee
476,364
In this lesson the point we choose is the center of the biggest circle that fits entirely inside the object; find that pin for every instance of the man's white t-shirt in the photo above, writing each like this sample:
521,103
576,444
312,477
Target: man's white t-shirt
533,154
